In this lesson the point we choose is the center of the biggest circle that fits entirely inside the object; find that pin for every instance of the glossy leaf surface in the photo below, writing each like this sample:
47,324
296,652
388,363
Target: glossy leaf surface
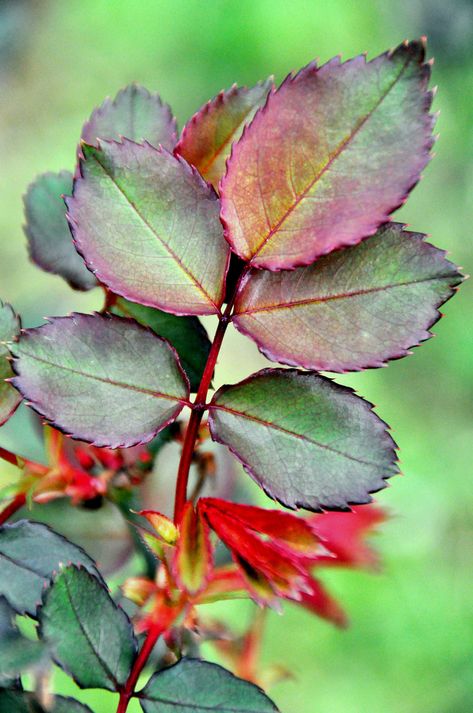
100,378
135,113
193,686
352,309
9,329
332,154
49,236
90,637
148,226
207,139
24,702
186,334
30,553
307,441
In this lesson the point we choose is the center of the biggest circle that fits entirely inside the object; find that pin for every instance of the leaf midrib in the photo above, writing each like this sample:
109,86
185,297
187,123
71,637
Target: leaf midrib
198,706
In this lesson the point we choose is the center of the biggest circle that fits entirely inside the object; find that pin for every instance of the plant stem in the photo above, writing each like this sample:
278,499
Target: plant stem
8,456
12,507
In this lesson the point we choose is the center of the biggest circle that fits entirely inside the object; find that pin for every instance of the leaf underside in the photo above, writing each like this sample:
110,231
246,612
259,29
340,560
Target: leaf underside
334,151
148,226
9,329
100,378
352,309
30,553
91,638
307,441
49,236
194,686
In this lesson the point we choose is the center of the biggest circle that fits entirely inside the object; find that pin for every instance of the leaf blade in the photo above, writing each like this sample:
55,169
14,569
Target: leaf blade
9,329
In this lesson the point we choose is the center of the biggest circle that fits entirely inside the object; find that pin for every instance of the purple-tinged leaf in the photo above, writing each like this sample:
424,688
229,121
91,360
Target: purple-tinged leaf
9,328
207,139
136,113
307,441
334,151
148,226
100,378
49,237
352,309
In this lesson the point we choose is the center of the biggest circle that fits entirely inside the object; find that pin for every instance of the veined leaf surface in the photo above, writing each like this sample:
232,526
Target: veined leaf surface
100,378
207,139
334,151
352,309
307,441
148,226
9,329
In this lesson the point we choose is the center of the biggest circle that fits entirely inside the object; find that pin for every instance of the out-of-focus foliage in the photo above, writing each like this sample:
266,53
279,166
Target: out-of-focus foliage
409,647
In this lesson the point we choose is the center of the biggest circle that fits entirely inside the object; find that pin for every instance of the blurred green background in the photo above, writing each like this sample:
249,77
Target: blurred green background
410,645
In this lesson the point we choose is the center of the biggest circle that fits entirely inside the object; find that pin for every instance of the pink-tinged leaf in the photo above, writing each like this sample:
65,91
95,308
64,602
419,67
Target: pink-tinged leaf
49,237
148,227
343,533
192,564
207,139
307,441
319,602
135,113
334,151
352,309
100,378
9,329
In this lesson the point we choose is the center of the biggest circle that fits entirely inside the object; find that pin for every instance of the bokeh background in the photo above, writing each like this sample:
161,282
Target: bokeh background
410,645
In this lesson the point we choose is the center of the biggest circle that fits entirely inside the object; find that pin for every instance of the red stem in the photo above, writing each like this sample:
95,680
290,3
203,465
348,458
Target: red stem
11,509
8,456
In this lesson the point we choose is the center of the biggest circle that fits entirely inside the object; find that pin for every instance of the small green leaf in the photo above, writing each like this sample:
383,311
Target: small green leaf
90,637
307,441
193,686
100,378
9,329
186,334
50,241
18,654
30,553
25,702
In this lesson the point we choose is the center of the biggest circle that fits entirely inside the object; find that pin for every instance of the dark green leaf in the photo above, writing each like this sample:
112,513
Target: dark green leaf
186,334
18,654
24,702
90,637
193,686
29,555
49,237
9,329
307,441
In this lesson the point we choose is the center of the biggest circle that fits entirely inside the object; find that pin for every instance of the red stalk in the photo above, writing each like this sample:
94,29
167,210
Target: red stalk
12,507
8,456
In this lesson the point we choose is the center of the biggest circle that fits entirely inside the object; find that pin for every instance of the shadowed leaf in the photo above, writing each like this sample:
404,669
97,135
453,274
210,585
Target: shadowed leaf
18,654
9,329
331,155
352,309
24,702
207,139
193,686
307,441
100,378
135,113
90,637
49,236
148,226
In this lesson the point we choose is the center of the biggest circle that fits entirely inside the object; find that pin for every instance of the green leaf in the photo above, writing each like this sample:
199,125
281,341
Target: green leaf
352,309
90,636
148,226
24,702
135,113
186,334
30,553
307,441
100,378
193,686
331,155
49,237
18,654
9,329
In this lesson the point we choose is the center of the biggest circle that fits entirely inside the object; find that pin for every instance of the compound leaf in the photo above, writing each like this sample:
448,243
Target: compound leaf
352,309
136,113
207,139
307,441
9,329
89,635
102,379
334,151
30,553
49,236
194,686
148,226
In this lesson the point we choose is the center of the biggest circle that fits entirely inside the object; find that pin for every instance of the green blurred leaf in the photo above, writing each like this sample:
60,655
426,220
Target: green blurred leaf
24,702
9,329
90,637
192,686
18,654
